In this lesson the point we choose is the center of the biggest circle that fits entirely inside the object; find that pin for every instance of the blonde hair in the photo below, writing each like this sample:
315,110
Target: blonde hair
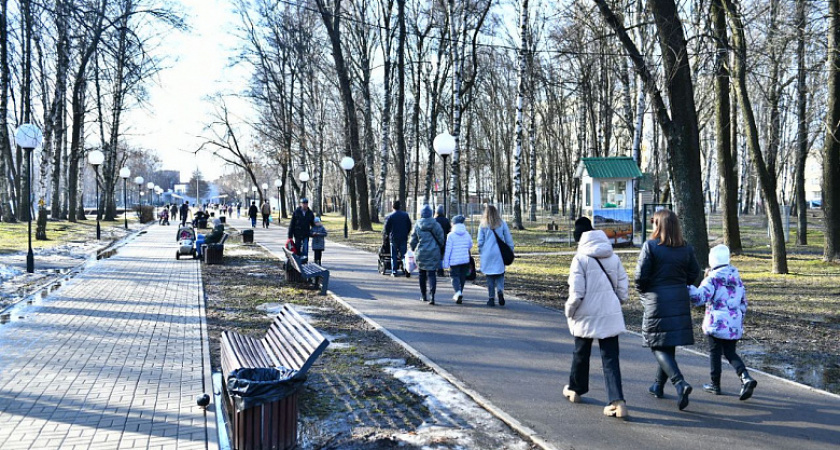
491,218
666,228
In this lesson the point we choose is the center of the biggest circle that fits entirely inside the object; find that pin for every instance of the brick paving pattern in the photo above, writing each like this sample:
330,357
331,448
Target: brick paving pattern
113,359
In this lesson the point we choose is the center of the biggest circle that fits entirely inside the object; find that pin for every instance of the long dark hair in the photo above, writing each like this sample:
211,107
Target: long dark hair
666,228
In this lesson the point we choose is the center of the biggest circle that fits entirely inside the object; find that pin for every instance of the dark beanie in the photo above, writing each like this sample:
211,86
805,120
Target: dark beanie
582,225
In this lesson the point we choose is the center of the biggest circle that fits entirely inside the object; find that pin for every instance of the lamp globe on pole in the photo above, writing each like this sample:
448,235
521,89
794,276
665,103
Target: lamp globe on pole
444,145
29,137
96,158
347,164
278,183
139,182
125,173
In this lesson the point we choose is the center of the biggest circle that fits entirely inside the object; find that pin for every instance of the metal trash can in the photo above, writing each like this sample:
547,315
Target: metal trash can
213,253
248,236
264,407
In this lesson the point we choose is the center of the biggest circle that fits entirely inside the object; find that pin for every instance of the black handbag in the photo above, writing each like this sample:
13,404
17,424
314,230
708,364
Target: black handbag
507,253
471,275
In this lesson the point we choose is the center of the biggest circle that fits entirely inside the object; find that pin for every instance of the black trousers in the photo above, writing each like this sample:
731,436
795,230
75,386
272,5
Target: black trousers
725,347
579,377
318,256
265,220
668,368
432,277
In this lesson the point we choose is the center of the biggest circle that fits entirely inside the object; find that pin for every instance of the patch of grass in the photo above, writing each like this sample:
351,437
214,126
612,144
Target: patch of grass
13,235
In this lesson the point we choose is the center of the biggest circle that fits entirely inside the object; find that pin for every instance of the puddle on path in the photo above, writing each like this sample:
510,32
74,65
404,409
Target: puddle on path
815,370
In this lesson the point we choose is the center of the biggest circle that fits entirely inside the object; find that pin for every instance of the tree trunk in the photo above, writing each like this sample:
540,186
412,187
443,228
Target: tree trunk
728,183
6,212
831,158
766,179
517,150
456,109
385,134
400,115
801,127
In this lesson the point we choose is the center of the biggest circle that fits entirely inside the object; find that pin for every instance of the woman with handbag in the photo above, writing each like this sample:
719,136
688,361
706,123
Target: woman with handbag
457,257
597,287
495,245
427,240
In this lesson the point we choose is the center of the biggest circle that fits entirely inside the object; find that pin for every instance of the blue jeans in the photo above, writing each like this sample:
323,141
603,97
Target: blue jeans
253,222
579,377
459,276
398,250
495,283
303,247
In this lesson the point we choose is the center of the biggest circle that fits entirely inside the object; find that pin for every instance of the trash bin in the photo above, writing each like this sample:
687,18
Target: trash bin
213,253
223,219
264,408
248,236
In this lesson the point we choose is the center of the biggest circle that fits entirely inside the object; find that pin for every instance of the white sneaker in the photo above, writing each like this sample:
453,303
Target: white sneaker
457,294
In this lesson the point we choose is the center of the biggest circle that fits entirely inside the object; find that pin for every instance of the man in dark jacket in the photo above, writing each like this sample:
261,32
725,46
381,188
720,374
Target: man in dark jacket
303,219
397,227
441,219
184,211
252,214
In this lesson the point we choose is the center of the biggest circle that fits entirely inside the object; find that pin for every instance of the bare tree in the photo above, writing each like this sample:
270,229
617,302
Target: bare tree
831,156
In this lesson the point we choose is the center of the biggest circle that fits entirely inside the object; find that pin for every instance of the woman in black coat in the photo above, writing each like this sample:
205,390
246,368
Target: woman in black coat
666,265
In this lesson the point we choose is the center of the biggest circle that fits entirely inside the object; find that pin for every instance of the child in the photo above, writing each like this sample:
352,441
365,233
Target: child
725,298
318,232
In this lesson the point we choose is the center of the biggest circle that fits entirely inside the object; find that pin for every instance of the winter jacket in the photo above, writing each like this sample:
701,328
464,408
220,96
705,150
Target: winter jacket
593,309
318,232
458,245
662,274
185,211
397,226
445,225
252,211
424,241
725,298
301,224
216,235
491,256
265,209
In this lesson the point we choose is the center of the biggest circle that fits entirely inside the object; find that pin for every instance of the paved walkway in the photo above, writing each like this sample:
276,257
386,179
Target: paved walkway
518,358
113,359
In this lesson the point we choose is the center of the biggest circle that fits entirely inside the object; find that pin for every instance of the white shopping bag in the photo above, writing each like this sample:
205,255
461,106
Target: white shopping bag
410,263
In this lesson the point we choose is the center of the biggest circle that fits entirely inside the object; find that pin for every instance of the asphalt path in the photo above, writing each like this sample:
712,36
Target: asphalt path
518,358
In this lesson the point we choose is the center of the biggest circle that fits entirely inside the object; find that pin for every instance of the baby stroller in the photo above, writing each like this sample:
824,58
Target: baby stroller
186,242
385,259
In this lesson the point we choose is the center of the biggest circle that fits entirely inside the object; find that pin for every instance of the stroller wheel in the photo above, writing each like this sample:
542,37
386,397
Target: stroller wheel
381,267
194,256
177,255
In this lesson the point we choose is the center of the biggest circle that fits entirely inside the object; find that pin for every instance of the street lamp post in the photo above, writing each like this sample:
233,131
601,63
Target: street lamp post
277,184
303,177
253,194
264,187
347,164
29,137
139,182
444,145
125,172
96,158
151,186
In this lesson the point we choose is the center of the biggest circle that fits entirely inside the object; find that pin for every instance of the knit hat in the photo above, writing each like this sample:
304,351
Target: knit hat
459,219
582,225
441,210
217,222
317,220
304,200
718,256
426,212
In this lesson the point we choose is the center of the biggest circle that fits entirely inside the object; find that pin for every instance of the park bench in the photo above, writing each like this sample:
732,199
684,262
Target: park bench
290,343
296,270
213,253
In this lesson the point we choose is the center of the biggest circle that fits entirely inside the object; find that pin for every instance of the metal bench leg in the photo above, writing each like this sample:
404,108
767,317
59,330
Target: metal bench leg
325,284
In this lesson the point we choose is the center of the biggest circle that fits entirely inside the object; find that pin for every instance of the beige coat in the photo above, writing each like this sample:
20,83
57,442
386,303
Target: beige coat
593,309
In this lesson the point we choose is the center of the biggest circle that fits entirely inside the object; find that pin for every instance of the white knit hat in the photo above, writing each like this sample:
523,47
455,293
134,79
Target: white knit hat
718,256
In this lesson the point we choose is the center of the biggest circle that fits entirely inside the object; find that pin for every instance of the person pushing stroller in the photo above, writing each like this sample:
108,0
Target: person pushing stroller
396,229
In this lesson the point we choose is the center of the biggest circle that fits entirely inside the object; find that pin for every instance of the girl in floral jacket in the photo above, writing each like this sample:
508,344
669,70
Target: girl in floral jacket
725,298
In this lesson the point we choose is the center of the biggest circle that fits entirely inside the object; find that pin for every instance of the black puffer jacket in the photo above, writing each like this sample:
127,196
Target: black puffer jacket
662,275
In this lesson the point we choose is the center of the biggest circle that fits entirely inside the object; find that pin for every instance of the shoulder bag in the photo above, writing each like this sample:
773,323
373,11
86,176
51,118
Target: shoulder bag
507,253
608,276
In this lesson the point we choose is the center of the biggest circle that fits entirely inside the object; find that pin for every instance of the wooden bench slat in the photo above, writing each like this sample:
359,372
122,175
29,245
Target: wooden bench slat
293,326
279,337
313,335
248,352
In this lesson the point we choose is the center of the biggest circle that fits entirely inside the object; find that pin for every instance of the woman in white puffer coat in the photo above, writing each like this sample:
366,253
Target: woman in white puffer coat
597,288
456,258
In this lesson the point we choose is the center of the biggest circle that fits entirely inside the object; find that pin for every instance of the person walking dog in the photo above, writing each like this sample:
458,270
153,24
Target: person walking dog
456,257
597,287
426,242
666,266
491,230
723,294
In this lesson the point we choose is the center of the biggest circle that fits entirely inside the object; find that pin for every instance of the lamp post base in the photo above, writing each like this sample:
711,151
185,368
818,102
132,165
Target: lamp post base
30,261
98,231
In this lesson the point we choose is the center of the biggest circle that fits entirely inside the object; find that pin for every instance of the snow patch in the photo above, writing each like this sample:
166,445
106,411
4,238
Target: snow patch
389,362
257,275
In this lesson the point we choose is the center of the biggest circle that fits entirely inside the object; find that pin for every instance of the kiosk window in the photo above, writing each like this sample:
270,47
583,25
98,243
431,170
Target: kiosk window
613,194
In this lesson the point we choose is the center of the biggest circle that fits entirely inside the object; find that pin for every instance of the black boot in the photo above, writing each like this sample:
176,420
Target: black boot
491,302
424,297
656,389
432,301
748,384
683,389
712,388
501,298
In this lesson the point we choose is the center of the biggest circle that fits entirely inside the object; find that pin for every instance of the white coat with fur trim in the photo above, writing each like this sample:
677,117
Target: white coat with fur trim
593,309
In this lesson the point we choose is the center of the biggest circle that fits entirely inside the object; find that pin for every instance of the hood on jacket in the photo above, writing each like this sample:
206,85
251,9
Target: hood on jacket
426,223
426,212
595,244
459,228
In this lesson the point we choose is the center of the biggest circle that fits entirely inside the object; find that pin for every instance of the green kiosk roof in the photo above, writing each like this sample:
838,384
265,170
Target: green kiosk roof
617,167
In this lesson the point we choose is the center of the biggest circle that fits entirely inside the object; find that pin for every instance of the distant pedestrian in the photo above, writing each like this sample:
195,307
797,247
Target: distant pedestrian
597,287
440,217
318,233
266,213
173,211
303,219
252,213
456,257
396,229
666,266
184,211
724,295
492,227
427,240
238,209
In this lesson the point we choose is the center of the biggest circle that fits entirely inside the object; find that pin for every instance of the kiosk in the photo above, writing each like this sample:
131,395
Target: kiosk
606,189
